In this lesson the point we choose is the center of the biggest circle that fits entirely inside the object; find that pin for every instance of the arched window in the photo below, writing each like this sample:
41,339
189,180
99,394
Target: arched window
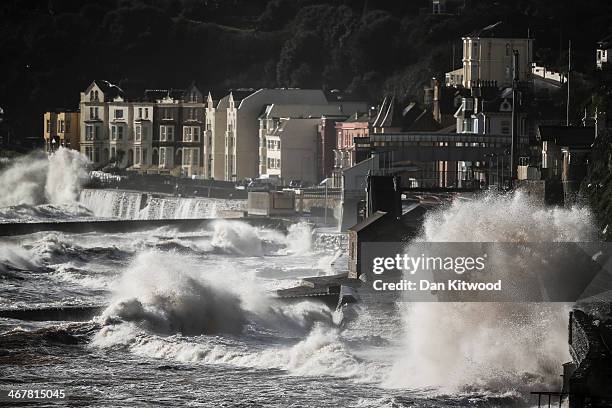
96,95
91,95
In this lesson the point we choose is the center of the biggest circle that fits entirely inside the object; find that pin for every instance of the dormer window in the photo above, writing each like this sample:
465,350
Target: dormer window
91,95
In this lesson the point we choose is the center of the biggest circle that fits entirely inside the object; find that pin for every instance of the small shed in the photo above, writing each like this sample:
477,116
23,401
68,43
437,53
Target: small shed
271,203
364,231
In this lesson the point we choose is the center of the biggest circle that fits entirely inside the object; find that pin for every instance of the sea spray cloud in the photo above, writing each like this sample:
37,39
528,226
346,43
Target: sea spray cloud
490,346
66,175
38,179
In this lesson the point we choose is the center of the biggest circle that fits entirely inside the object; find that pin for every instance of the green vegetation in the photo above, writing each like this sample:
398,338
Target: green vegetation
53,48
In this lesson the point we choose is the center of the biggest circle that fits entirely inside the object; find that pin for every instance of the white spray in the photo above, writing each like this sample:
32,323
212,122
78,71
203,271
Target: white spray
491,346
37,179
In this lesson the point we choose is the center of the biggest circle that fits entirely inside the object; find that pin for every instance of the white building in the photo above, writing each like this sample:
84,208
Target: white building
94,120
273,114
242,132
216,126
488,57
292,150
120,124
604,51
142,125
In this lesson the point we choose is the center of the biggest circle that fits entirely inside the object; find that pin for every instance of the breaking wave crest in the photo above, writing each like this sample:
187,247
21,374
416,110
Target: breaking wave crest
14,257
498,347
161,298
240,238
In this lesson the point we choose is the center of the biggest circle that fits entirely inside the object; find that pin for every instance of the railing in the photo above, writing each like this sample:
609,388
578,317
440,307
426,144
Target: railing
319,192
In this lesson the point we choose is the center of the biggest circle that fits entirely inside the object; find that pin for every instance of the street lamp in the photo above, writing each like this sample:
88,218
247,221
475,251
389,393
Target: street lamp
326,184
52,144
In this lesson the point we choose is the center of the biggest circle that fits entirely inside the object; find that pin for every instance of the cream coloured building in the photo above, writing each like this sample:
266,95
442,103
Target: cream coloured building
292,150
488,57
214,137
61,129
94,120
242,132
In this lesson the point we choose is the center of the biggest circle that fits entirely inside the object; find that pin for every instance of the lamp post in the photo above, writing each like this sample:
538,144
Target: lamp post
325,211
52,144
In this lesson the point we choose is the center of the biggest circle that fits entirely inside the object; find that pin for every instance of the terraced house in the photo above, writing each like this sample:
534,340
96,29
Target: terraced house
181,133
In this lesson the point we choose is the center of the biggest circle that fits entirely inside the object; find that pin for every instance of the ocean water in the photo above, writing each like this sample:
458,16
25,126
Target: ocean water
190,319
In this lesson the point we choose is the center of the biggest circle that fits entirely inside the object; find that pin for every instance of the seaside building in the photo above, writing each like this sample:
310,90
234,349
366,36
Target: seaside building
285,131
94,120
487,56
604,51
61,129
180,132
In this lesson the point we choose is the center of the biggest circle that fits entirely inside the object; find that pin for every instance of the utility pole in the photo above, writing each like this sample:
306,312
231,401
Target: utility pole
515,118
569,70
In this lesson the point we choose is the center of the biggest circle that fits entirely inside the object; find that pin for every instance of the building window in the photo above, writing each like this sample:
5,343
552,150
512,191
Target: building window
48,126
89,132
137,156
208,126
118,113
505,127
139,113
97,154
138,133
195,157
166,133
167,113
146,112
187,134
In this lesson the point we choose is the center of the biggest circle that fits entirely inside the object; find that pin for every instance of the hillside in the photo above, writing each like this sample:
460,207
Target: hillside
54,48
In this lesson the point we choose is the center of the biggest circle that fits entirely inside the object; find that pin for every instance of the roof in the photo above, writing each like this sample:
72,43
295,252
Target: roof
358,117
110,90
446,98
605,42
392,115
241,93
496,30
568,136
277,110
371,220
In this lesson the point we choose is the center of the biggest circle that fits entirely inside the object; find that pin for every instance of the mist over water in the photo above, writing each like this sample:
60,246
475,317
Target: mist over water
501,347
